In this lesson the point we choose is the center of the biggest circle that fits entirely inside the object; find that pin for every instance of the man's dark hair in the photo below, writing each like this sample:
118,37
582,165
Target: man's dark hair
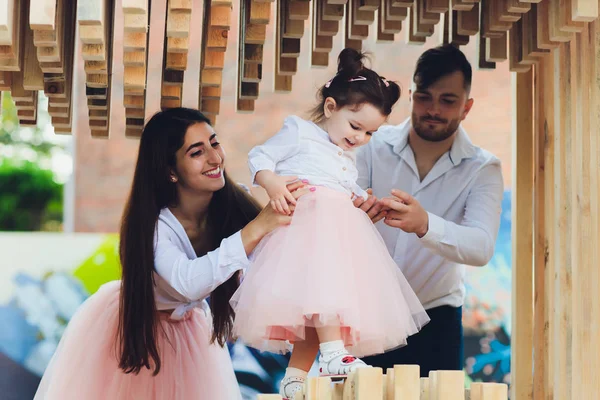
438,62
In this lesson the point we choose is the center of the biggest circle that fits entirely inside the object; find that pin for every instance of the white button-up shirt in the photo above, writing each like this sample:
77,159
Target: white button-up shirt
304,150
462,195
193,277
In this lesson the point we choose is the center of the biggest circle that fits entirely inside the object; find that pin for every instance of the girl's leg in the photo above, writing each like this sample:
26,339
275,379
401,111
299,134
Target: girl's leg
335,359
305,351
302,359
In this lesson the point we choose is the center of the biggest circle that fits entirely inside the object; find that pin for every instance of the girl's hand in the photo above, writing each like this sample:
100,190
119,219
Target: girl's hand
278,191
269,219
374,208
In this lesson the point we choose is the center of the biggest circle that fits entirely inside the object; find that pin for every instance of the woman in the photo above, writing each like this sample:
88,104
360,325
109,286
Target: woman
186,233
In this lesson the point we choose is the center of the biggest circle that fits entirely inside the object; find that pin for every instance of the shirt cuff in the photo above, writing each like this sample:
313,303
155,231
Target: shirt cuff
233,253
436,229
258,165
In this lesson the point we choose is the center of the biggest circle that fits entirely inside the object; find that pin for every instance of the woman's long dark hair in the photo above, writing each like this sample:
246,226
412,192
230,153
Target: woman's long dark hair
230,209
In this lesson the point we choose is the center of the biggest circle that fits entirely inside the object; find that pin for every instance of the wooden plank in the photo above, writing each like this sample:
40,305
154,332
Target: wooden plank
496,49
565,18
10,56
585,274
411,38
562,323
7,21
522,233
468,21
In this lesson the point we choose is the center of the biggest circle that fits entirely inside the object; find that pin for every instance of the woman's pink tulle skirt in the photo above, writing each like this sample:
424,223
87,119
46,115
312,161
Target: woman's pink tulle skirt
85,364
330,266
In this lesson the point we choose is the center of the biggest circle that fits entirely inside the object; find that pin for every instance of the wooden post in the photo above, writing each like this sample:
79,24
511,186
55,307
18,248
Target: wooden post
522,236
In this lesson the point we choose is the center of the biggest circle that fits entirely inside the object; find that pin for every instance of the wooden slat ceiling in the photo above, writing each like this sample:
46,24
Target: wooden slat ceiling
37,44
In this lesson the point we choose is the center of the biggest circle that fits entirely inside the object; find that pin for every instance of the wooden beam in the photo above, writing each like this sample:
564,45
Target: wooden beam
522,233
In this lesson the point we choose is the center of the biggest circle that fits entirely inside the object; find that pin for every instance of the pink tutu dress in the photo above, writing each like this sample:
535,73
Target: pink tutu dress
329,266
85,364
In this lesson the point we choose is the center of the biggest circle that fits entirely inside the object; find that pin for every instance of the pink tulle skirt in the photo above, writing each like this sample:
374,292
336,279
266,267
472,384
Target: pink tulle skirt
329,267
85,364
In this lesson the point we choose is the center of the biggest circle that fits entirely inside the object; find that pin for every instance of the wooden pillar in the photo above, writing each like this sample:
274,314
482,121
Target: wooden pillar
522,236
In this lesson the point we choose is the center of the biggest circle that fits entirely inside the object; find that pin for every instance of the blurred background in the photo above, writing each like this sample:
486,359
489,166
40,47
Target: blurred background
61,199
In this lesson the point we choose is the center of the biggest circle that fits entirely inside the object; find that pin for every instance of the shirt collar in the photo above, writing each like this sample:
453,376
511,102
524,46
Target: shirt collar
397,136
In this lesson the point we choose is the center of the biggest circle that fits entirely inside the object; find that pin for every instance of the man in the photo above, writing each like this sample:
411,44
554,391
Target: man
440,202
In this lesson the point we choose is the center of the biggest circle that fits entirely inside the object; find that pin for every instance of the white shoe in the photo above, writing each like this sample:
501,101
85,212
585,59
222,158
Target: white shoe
339,364
292,388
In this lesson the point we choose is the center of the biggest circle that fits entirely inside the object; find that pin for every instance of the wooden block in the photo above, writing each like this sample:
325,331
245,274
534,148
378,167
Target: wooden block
178,25
44,38
101,114
565,19
212,77
325,27
220,17
131,101
134,78
171,92
489,391
134,41
395,13
584,10
135,6
530,50
542,20
318,388
268,397
215,59
210,106
331,12
211,92
93,52
135,22
8,16
448,385
411,38
420,27
134,59
176,61
468,21
369,383
260,13
386,25
252,73
406,384
217,39
252,53
515,53
91,34
496,49
556,34
185,6
42,14
90,12
96,93
282,83
298,10
436,6
33,75
256,33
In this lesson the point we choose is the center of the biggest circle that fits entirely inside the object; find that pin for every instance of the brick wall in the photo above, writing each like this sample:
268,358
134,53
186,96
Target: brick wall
103,168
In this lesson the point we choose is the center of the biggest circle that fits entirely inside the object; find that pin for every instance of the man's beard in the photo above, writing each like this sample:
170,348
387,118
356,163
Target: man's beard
421,127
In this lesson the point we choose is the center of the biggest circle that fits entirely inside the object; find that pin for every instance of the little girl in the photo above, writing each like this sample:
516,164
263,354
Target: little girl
329,270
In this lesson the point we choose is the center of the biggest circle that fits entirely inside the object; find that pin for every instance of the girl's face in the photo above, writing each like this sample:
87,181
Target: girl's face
350,127
199,162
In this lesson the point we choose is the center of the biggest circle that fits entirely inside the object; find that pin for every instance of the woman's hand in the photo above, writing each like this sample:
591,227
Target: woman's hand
269,219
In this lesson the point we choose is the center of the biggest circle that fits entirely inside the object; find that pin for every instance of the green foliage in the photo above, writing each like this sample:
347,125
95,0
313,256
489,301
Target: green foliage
30,199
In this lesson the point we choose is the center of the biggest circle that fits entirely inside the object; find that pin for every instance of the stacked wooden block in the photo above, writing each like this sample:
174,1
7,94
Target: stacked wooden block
252,35
399,383
135,56
290,18
217,23
326,17
95,19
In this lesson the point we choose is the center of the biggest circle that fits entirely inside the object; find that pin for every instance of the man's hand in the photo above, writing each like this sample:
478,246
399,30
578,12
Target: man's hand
406,213
374,209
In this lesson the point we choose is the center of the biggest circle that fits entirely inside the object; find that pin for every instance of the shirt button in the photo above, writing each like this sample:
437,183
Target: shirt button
343,169
339,153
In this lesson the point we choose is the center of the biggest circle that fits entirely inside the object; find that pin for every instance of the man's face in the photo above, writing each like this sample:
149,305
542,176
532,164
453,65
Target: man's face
436,111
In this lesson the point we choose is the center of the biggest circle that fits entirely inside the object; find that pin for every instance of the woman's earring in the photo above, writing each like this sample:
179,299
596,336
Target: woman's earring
173,179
